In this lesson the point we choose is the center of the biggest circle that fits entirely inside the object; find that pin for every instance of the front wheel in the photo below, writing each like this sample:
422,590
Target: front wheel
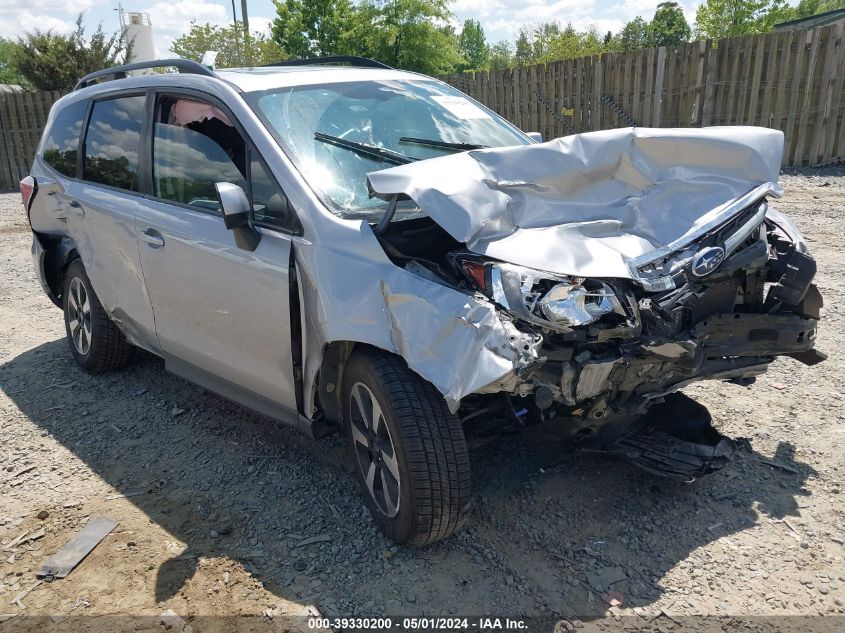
410,453
95,342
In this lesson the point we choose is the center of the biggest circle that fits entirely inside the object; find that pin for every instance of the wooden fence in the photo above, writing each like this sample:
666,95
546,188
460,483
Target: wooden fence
791,81
22,119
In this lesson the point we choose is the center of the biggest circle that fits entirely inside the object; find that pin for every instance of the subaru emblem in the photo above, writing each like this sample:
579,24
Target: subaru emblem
707,260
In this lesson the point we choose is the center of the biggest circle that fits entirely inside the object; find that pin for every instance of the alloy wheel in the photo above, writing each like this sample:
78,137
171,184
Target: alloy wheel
374,449
79,316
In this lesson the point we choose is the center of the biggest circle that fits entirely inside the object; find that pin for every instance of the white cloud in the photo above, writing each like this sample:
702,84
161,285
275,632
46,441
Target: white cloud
172,19
26,22
21,16
260,24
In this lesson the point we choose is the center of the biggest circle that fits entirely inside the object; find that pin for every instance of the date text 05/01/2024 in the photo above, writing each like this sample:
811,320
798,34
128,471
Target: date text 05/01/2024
419,623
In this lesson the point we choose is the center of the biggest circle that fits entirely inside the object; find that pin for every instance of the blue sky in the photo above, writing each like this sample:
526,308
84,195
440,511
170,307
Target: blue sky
501,18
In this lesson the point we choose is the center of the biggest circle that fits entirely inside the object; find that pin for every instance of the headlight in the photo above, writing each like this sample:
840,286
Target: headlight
553,301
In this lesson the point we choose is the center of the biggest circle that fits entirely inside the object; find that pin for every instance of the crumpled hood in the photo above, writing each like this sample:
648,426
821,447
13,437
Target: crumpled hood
587,204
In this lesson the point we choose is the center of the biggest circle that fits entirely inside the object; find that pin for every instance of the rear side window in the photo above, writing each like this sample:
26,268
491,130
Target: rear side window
62,145
112,142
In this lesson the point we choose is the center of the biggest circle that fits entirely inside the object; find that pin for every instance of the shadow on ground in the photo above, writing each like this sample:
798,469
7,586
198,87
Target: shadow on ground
232,483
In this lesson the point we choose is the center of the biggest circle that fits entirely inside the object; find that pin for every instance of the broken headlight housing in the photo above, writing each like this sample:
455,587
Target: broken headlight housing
551,301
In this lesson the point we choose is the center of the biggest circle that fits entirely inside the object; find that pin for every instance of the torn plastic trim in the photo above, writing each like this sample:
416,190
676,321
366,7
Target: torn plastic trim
789,228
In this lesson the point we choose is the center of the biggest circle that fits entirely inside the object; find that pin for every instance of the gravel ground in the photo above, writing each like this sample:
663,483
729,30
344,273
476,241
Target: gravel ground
219,508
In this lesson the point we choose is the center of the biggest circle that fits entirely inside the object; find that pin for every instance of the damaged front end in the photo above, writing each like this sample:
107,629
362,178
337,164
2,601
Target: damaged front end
599,353
604,350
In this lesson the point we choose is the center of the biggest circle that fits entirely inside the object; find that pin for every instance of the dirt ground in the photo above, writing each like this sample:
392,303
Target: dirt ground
224,512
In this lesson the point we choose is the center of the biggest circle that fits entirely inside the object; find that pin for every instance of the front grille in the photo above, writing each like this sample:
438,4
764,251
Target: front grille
718,298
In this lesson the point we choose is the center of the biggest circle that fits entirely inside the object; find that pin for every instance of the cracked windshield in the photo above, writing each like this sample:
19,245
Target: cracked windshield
337,133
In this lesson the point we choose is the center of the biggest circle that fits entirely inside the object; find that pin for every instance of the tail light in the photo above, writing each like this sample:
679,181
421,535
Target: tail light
28,188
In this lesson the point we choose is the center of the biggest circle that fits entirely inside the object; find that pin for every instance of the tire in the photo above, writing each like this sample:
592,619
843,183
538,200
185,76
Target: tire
100,346
418,438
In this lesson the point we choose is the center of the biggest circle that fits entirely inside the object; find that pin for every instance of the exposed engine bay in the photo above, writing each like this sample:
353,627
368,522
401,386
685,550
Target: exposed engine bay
597,352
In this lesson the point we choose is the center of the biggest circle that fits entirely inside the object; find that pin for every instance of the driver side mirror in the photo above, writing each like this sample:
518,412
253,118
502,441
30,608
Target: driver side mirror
537,136
236,211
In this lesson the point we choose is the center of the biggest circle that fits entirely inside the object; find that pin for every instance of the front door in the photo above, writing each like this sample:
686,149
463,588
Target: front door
218,308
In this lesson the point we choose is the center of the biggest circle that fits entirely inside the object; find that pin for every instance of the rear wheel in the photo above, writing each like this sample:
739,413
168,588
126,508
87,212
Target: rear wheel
410,453
95,342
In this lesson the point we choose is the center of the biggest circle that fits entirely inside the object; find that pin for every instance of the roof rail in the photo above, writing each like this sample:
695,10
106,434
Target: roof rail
119,72
352,60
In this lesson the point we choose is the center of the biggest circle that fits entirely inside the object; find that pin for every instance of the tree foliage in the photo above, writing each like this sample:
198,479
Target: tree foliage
416,34
409,34
727,18
412,34
635,35
501,56
669,26
49,61
472,44
9,73
229,44
309,28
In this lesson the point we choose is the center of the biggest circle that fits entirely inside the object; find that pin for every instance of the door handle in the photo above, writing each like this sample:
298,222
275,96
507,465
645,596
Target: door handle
76,208
153,238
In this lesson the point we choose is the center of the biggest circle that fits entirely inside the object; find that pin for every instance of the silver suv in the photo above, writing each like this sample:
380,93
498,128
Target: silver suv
359,249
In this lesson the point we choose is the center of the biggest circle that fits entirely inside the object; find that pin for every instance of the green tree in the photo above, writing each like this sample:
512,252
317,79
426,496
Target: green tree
49,61
807,8
501,56
828,5
524,54
228,42
309,28
542,37
9,73
473,45
669,26
635,35
726,18
411,34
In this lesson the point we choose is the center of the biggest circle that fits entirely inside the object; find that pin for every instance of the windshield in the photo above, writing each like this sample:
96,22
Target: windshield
337,133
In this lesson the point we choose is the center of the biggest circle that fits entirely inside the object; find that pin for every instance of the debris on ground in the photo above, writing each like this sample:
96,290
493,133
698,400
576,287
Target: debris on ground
603,579
62,562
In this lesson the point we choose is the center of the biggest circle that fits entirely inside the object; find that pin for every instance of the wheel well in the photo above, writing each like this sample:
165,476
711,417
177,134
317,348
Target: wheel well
329,380
59,253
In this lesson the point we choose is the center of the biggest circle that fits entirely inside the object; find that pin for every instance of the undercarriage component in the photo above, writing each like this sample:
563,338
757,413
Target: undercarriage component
755,334
667,455
676,439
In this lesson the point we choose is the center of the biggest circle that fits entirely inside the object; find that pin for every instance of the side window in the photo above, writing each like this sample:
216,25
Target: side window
112,141
269,203
62,144
187,163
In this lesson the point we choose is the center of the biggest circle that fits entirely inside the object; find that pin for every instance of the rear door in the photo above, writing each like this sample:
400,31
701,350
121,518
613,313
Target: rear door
90,191
219,309
103,209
